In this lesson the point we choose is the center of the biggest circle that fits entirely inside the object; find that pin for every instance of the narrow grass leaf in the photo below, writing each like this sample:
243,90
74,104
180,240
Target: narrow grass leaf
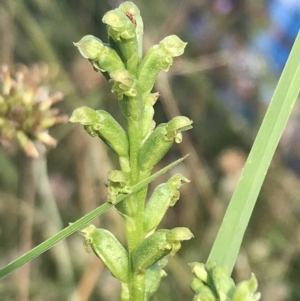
229,238
47,244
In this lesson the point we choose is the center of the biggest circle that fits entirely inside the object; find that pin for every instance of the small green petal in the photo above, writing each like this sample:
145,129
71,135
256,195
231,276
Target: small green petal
90,47
84,115
179,234
173,45
119,24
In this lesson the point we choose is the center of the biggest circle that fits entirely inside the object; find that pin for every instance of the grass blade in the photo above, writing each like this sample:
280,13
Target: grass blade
229,238
47,244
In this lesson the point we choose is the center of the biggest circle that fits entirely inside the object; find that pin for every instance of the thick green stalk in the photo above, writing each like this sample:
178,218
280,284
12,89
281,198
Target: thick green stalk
138,287
135,231
138,280
134,148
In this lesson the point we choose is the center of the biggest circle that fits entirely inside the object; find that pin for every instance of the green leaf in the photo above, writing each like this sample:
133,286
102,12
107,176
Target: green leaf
229,238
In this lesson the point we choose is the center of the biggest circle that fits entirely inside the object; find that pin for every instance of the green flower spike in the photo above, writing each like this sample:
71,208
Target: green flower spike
108,249
139,148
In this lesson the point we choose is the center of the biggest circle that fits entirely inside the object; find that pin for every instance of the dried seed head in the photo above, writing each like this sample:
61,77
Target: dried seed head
25,110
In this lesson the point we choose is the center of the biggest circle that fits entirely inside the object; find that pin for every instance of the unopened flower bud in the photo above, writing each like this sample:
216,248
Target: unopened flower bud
158,57
122,30
151,250
90,47
173,45
164,196
179,234
106,246
154,148
198,269
119,25
123,83
161,140
223,283
177,125
102,57
106,127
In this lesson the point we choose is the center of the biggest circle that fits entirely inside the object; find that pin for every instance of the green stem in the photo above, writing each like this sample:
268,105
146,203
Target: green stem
138,289
135,108
138,280
134,229
134,147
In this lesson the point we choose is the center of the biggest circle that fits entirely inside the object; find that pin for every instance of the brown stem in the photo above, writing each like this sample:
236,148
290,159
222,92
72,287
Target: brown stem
26,222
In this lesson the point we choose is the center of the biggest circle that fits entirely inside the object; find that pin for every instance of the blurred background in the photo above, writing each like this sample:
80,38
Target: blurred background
235,54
